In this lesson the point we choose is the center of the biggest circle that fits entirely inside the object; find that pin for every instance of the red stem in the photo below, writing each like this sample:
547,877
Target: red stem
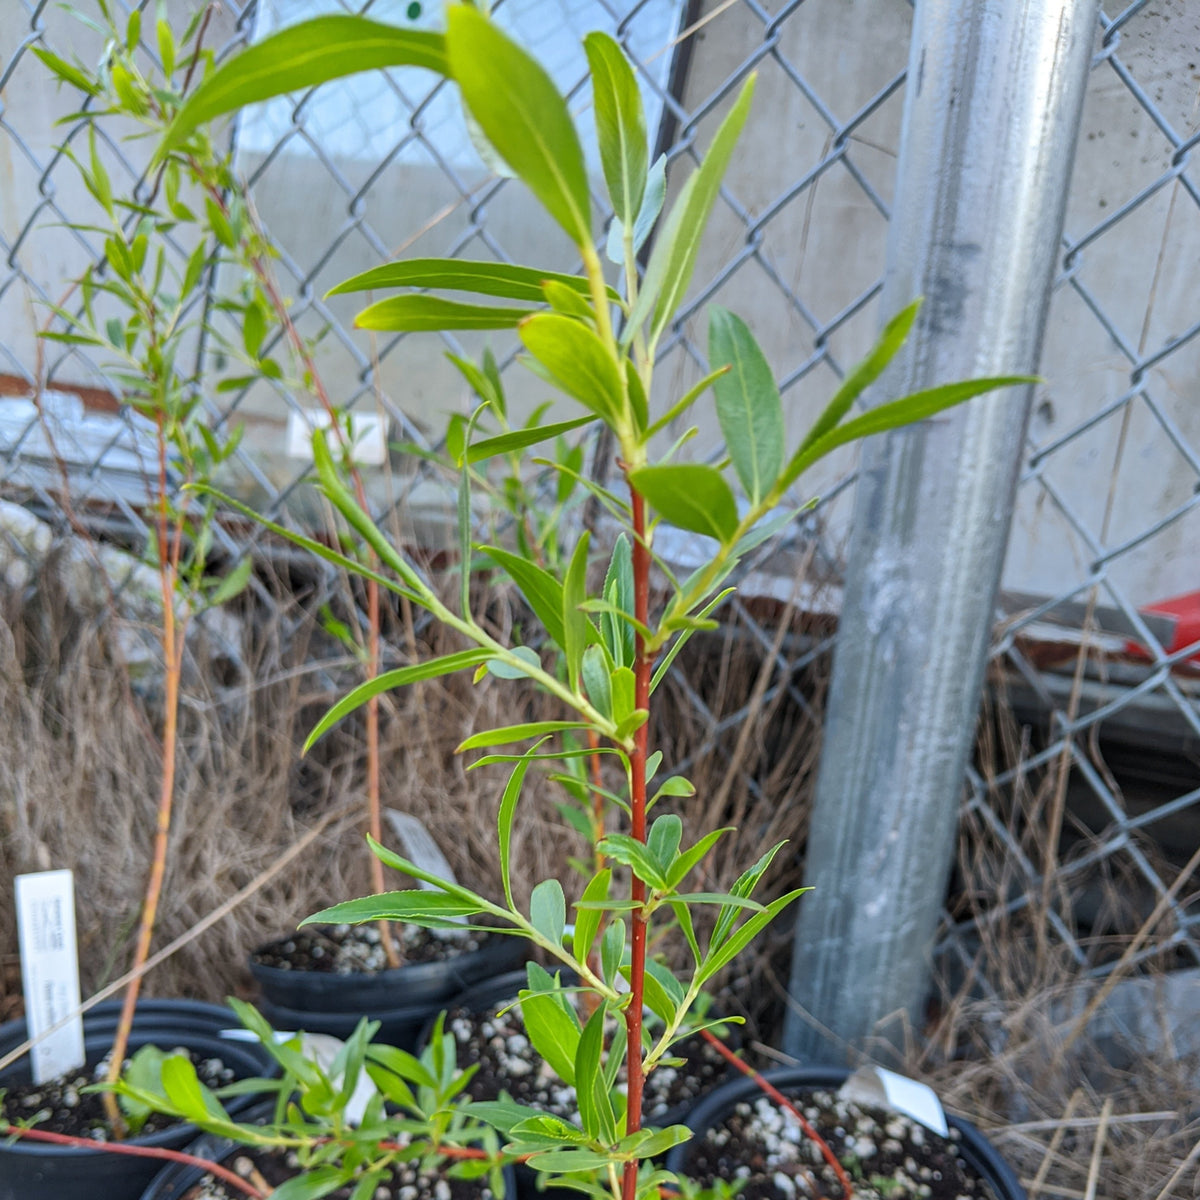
637,798
809,1132
64,1139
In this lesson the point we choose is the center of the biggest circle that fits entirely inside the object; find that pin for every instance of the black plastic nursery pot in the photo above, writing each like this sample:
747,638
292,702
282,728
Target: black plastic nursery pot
974,1149
175,1180
402,999
39,1171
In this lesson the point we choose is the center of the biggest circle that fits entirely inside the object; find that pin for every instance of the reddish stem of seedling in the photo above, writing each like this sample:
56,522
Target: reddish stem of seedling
169,550
637,799
64,1139
809,1132
374,815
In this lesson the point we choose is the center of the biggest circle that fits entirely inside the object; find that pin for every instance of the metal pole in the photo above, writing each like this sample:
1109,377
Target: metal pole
994,96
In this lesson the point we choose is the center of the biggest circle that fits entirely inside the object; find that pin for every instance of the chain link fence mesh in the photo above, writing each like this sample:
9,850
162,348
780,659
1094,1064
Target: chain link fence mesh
1093,814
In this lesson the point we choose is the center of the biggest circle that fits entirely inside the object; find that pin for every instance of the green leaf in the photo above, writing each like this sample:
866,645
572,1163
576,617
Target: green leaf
553,1030
254,328
542,592
636,856
502,1114
594,671
313,1184
662,992
430,669
675,251
400,1063
690,857
587,920
693,496
623,684
744,885
506,280
595,1107
564,1161
612,950
894,415
620,125
523,116
515,733
504,823
68,72
575,622
234,583
743,936
618,591
97,177
749,409
567,302
578,362
661,1140
418,906
894,335
519,439
303,56
184,1089
667,659
663,841
652,202
358,520
506,670
423,313
548,910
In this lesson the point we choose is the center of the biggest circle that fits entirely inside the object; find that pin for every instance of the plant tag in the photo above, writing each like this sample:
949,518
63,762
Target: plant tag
420,849
50,971
886,1089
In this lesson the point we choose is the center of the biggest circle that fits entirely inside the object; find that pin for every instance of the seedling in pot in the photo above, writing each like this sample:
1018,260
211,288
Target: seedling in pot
596,346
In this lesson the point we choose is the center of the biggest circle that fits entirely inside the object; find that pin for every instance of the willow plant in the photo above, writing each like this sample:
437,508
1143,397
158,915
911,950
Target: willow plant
597,346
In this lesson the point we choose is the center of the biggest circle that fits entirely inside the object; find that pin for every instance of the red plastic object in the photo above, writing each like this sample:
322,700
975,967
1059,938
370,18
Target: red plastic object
1185,610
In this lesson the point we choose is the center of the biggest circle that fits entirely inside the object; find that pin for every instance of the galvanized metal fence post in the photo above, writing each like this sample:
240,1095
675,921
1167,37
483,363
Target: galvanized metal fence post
995,91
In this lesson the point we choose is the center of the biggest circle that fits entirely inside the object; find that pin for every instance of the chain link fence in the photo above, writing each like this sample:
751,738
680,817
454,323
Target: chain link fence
1100,801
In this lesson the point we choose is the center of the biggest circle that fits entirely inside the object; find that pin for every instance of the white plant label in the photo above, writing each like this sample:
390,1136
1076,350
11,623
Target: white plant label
886,1089
421,850
368,435
50,971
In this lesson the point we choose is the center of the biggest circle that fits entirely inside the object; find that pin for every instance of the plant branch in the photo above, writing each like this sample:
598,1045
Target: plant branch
81,1143
809,1132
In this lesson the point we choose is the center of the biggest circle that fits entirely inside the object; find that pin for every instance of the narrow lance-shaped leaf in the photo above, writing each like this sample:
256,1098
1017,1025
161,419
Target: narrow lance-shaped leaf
578,362
423,313
894,415
652,202
504,824
674,257
507,280
620,125
749,409
523,116
864,374
430,669
520,439
303,56
692,496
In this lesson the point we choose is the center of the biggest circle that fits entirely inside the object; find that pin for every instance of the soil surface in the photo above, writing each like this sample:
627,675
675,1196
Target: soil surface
508,1062
62,1106
887,1156
406,1183
358,949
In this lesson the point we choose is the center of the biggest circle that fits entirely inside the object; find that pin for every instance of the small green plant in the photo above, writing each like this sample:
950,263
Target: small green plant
596,344
407,1109
140,310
